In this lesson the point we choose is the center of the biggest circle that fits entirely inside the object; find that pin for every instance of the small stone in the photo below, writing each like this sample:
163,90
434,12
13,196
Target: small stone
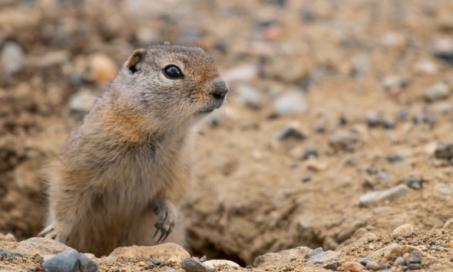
379,196
405,230
82,101
102,68
437,92
12,58
444,151
394,84
443,49
319,256
203,259
333,265
41,246
290,103
415,183
399,261
69,261
49,59
310,153
343,140
373,119
394,158
193,265
426,67
415,257
156,261
249,96
290,133
214,264
351,267
244,72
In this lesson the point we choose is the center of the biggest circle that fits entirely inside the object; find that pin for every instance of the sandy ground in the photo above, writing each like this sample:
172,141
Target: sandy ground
360,91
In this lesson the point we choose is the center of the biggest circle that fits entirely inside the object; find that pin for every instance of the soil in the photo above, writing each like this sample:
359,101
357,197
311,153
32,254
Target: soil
363,70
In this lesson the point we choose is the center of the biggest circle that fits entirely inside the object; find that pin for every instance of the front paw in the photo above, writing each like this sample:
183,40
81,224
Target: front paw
50,232
166,216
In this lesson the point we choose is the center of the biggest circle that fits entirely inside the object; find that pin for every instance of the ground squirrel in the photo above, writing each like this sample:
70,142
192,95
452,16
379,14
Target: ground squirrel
120,175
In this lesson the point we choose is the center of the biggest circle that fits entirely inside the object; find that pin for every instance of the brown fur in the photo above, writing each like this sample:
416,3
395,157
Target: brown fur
124,170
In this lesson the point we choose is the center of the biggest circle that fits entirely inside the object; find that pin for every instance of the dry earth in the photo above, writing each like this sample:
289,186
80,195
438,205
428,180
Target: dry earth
335,134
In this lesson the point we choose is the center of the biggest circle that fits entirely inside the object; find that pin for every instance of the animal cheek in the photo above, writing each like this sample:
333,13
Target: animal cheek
199,95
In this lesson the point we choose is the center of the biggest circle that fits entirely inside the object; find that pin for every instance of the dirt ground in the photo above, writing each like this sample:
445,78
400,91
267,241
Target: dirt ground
335,133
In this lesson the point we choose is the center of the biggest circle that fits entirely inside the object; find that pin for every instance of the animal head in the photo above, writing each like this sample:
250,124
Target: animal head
171,82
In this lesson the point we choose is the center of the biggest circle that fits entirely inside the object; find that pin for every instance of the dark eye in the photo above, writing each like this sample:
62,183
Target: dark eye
173,72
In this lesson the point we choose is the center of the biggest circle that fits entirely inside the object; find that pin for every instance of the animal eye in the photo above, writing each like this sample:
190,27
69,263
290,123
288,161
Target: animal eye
173,72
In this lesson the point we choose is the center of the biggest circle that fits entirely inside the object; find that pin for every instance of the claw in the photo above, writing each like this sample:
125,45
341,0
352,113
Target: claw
46,231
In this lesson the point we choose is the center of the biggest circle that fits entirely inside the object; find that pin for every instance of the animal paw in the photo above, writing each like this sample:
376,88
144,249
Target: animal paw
50,232
166,217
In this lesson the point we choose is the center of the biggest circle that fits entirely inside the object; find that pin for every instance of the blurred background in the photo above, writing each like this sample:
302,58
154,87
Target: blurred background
338,123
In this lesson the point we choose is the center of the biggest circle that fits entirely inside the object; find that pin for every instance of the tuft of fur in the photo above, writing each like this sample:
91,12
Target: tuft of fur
119,177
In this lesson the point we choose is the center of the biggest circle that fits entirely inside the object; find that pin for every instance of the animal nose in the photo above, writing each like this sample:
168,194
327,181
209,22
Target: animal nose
220,90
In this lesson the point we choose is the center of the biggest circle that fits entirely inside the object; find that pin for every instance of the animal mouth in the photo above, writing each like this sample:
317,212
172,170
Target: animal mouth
215,104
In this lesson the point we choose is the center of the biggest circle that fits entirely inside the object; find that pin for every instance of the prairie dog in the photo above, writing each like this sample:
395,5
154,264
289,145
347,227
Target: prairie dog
119,176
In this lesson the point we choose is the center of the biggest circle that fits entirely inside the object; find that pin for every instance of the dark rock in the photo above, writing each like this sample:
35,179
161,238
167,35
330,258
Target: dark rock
310,153
290,133
333,265
444,151
69,261
394,158
415,183
192,265
373,120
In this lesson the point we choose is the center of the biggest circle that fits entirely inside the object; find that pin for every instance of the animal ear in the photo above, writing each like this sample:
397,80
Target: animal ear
135,59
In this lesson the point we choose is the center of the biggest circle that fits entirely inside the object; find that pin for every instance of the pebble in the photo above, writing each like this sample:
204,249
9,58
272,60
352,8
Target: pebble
319,256
351,267
333,265
394,158
444,151
399,261
69,261
438,91
102,68
405,230
249,96
193,265
290,133
343,140
310,153
290,103
373,119
370,264
82,101
443,49
214,264
12,58
415,183
243,72
379,196
394,84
